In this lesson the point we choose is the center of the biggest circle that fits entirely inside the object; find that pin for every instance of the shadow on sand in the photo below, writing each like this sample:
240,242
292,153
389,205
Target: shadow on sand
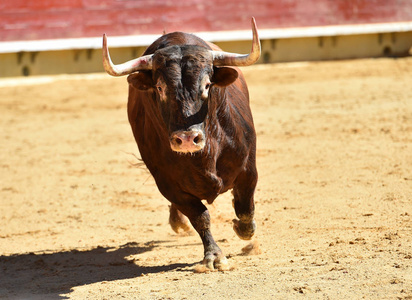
51,275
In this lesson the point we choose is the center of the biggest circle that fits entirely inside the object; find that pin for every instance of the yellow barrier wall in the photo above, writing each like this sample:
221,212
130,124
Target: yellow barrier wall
273,50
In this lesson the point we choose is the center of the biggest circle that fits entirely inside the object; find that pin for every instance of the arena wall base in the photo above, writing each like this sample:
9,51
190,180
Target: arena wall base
395,44
27,59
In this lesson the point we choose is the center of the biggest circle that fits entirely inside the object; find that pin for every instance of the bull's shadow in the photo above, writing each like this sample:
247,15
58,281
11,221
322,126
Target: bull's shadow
51,275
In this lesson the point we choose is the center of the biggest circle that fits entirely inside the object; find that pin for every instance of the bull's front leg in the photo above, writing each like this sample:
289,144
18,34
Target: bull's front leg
244,204
200,219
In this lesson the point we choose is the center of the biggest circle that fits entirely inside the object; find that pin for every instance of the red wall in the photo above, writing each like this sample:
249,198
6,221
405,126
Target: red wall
50,19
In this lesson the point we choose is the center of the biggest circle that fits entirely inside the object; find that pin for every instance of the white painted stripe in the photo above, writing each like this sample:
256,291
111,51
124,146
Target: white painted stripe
47,79
216,36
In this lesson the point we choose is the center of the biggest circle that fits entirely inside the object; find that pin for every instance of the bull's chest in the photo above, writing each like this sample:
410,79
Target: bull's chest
187,178
184,176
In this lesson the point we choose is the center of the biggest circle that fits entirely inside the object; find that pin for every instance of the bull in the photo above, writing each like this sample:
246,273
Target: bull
188,107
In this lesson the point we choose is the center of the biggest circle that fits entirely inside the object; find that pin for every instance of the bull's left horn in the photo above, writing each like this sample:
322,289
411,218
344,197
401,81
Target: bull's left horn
221,58
137,64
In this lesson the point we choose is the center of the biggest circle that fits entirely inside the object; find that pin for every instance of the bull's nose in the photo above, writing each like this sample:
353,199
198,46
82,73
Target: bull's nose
187,141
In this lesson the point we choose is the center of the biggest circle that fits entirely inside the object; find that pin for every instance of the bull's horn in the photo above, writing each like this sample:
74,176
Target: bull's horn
221,58
137,64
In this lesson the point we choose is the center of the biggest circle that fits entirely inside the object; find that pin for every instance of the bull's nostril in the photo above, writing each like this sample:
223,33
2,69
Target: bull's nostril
196,140
178,141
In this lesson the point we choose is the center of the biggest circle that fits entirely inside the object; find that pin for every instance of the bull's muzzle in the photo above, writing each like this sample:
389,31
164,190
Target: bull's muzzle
189,141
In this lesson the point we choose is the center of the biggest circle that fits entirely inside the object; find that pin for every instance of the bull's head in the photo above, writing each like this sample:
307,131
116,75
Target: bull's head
181,78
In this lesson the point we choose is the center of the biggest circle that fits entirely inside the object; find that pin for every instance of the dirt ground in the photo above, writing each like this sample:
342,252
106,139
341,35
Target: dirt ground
79,220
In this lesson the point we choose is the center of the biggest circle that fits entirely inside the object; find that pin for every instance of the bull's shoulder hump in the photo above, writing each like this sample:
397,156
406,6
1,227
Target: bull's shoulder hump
178,39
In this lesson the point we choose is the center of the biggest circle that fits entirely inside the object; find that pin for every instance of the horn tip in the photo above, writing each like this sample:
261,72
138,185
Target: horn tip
253,21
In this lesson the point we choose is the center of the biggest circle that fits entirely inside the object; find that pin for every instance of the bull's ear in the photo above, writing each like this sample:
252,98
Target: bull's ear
224,76
141,81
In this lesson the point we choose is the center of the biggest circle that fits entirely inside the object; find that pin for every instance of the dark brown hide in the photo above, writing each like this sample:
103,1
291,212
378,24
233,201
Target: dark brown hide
227,160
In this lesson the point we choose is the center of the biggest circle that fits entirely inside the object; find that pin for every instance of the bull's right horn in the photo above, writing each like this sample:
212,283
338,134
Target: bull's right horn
221,58
138,64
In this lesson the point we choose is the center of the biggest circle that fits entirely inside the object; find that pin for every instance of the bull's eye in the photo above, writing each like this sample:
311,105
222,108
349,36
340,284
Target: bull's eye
159,88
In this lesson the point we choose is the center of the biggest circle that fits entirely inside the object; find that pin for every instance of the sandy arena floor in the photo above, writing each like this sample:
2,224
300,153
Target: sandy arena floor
334,202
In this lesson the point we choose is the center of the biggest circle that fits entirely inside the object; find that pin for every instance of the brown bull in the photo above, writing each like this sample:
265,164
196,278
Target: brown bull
189,111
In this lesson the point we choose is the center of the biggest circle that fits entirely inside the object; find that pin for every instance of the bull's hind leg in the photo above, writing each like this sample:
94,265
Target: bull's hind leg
200,219
178,221
244,203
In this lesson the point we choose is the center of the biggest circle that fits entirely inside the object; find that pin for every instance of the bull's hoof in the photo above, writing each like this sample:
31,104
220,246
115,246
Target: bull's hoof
212,262
245,231
179,222
214,258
